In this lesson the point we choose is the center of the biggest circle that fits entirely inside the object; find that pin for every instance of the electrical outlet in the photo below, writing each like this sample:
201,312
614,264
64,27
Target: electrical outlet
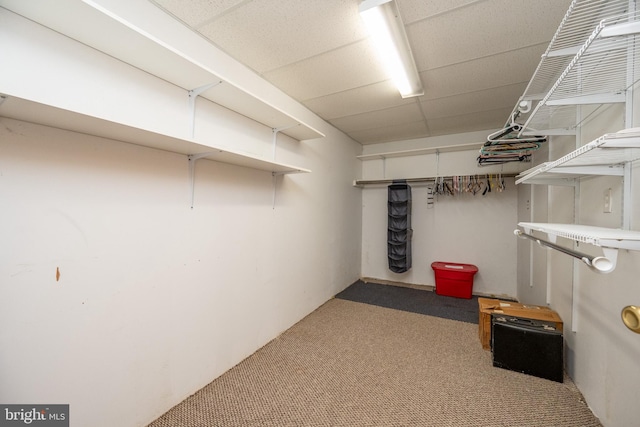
607,201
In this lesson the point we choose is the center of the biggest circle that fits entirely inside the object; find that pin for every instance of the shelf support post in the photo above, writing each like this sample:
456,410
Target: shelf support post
193,95
628,122
384,168
627,195
275,175
192,158
275,184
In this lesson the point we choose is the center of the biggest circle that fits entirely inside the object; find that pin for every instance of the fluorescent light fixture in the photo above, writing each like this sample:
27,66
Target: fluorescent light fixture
387,31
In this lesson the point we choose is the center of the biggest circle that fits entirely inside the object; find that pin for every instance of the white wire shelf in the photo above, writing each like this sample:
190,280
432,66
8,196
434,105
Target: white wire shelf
586,63
597,236
609,239
606,155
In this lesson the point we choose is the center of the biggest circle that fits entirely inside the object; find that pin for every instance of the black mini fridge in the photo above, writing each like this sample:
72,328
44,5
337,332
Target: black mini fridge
528,346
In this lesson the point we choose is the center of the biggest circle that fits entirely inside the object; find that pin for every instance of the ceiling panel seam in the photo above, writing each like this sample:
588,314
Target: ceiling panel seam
424,116
477,58
225,12
423,98
335,49
426,120
444,12
469,92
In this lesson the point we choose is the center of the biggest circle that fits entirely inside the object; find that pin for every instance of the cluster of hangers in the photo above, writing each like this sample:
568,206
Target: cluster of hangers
507,145
463,184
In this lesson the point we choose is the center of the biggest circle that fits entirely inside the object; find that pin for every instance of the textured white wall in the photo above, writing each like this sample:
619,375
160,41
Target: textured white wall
463,228
154,299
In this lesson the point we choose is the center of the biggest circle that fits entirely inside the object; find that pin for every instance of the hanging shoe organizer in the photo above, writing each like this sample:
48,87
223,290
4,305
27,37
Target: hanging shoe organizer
399,227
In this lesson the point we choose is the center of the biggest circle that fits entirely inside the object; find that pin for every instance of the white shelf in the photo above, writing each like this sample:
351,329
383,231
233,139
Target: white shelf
606,155
145,37
586,64
597,236
20,109
610,240
421,151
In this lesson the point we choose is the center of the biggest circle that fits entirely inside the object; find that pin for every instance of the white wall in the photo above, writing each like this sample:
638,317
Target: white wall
601,354
464,228
154,299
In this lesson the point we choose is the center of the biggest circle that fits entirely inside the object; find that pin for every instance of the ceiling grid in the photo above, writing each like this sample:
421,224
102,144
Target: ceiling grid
474,58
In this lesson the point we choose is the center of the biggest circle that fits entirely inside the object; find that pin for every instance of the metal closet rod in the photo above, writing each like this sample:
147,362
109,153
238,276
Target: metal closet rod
430,179
600,264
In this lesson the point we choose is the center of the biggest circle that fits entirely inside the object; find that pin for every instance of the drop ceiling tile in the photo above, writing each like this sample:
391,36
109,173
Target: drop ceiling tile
412,11
349,67
490,119
498,70
474,102
196,12
478,31
373,97
475,56
391,133
266,35
382,118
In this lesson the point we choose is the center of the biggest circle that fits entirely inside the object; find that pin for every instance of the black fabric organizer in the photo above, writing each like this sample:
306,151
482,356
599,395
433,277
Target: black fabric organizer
399,230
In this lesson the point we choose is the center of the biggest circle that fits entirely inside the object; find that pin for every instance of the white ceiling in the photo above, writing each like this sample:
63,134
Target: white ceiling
475,58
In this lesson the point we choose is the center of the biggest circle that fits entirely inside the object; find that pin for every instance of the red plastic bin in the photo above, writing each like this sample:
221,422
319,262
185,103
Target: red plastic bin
453,279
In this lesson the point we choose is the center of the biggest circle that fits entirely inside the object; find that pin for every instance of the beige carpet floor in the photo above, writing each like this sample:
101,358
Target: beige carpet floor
354,364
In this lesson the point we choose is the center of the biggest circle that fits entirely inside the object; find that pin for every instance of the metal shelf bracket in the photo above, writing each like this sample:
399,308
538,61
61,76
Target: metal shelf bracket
275,132
193,95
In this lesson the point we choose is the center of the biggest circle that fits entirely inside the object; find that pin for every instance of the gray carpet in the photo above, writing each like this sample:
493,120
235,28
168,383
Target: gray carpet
413,300
355,364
